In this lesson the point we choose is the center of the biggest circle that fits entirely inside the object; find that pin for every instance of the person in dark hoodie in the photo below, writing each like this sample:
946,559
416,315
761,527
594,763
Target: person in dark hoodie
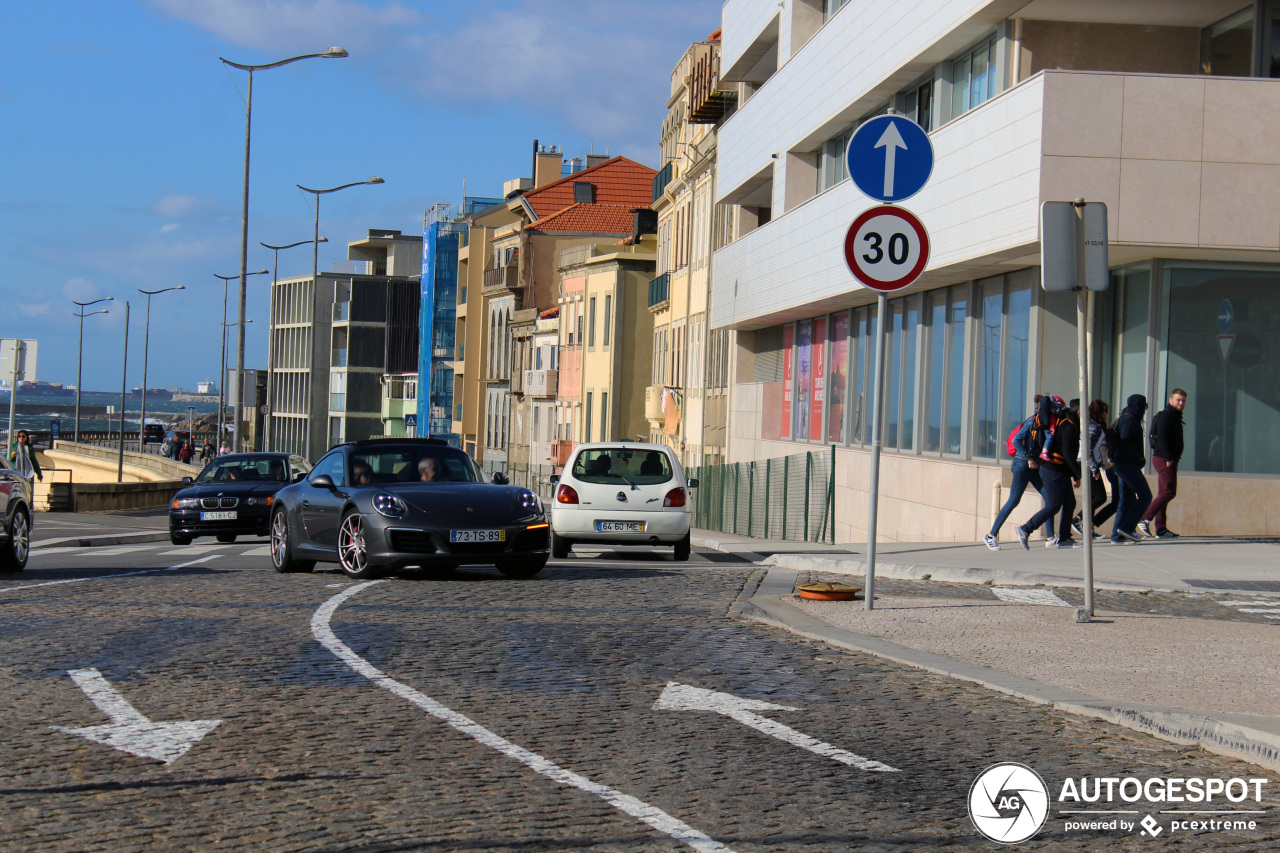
1060,473
1166,450
1135,494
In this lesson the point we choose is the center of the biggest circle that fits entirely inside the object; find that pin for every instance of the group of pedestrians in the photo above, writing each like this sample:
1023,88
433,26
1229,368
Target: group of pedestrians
184,451
1046,450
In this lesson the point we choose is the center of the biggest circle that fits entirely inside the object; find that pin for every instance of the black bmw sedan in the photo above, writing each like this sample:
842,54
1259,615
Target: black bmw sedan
232,496
380,505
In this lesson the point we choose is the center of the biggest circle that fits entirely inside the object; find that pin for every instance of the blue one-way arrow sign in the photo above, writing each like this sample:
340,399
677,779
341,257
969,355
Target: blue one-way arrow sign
890,157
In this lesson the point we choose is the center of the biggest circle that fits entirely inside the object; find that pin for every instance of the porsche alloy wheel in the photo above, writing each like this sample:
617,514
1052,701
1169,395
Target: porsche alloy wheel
353,556
282,559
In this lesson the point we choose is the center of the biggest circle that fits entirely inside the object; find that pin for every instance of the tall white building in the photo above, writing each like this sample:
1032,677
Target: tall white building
1167,112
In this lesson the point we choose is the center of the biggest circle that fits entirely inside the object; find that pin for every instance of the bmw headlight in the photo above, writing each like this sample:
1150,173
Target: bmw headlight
259,501
529,501
186,503
389,505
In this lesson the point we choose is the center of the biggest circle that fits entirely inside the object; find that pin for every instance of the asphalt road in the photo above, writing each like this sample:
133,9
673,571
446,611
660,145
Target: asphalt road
467,711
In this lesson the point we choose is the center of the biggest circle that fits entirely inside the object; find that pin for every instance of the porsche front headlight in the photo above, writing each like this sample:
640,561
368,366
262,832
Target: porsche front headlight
389,505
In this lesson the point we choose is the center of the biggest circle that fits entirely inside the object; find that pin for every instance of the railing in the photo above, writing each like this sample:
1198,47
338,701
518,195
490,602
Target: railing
341,312
788,498
661,180
659,289
507,277
540,383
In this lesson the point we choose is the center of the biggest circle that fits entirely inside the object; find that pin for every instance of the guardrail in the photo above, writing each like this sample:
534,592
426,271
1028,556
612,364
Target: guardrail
792,497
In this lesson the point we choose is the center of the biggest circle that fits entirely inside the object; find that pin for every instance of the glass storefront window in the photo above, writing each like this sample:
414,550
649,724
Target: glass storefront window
1017,353
837,384
911,322
804,376
935,312
986,421
893,358
1132,287
955,367
1226,48
1223,340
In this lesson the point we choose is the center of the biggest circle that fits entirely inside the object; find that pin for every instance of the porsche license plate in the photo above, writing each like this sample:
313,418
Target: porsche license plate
477,536
620,527
229,515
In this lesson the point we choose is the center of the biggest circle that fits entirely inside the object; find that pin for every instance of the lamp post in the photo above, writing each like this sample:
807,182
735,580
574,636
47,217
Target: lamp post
271,334
222,364
80,358
330,53
315,264
124,387
146,344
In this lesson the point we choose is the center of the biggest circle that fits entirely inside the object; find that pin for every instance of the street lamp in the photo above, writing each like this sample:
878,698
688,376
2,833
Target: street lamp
330,53
271,337
80,358
222,364
146,343
315,261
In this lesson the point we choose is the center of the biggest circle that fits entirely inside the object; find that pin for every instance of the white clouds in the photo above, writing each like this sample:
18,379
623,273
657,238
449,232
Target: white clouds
169,228
35,309
182,206
80,290
302,26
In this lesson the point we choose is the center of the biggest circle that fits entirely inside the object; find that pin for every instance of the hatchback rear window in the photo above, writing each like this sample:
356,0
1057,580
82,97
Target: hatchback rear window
622,465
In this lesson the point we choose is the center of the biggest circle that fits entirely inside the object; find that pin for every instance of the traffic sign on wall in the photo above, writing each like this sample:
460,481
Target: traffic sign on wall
886,248
889,157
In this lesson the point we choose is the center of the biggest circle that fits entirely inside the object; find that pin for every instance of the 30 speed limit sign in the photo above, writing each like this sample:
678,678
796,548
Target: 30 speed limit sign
886,248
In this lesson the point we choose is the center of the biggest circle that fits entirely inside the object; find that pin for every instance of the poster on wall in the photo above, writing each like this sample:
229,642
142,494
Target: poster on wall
804,376
788,382
837,376
819,375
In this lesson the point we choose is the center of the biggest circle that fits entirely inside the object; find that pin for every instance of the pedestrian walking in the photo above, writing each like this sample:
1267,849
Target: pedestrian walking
1166,451
1059,472
224,449
22,456
185,452
166,448
1100,467
206,451
1129,459
1026,472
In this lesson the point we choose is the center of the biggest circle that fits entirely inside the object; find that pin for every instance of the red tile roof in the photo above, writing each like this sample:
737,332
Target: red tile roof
618,181
586,219
553,311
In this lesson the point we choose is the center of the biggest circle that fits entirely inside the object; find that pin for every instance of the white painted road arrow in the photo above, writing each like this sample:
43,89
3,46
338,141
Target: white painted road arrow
130,731
682,697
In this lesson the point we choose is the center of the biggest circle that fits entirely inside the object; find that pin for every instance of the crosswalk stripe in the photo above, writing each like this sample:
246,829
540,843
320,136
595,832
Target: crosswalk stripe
190,549
115,552
261,551
1029,596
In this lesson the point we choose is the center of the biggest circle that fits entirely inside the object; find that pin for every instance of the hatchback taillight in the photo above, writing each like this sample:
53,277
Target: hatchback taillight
566,494
675,497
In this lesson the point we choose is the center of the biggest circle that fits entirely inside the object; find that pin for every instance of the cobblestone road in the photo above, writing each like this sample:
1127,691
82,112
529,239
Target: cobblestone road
312,755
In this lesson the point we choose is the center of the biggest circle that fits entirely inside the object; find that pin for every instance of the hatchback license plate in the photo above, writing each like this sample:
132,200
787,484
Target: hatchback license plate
229,515
477,536
620,527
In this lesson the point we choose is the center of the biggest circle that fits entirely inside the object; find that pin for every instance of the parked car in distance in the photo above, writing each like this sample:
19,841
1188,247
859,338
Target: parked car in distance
177,435
620,493
15,515
232,496
380,505
153,433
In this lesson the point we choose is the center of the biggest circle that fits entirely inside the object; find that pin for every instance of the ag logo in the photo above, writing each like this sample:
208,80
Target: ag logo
1008,803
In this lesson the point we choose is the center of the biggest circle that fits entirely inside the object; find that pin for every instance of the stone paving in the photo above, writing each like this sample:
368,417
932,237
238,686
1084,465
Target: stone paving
311,755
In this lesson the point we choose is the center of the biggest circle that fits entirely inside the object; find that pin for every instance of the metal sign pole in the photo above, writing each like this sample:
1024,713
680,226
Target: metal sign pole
1086,480
124,387
877,402
13,387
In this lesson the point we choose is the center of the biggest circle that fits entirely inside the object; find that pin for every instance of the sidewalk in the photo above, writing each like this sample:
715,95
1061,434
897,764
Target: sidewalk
1182,669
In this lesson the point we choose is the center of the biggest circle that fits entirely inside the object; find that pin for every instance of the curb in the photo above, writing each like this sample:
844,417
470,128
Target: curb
1236,736
97,541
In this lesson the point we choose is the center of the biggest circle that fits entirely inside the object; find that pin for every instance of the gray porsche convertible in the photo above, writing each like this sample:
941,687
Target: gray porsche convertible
377,506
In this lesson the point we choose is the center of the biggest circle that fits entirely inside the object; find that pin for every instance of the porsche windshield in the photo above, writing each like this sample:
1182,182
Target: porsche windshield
270,469
371,466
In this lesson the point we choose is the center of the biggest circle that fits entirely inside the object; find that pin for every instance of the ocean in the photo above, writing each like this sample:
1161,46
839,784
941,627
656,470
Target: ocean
37,412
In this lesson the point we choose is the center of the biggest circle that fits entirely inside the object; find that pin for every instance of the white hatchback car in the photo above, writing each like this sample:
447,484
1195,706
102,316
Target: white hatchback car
621,493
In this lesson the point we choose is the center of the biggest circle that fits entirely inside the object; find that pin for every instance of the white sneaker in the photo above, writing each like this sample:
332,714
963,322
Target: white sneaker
992,542
1144,527
1051,542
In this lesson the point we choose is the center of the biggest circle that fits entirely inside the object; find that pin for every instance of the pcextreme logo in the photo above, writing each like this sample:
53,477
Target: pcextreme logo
1009,803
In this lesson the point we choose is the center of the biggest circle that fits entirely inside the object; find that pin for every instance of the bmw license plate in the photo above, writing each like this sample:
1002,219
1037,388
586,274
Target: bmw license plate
620,527
229,515
477,536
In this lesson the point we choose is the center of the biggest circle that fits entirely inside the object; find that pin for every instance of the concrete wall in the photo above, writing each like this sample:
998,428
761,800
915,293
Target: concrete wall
108,497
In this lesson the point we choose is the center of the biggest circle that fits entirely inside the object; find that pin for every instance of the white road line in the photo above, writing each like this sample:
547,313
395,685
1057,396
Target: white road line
4,590
261,551
639,809
190,549
1029,596
123,549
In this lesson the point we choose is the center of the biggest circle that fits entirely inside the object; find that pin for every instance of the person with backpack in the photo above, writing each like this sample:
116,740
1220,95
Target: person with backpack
1100,466
1059,471
1026,472
1124,443
1166,450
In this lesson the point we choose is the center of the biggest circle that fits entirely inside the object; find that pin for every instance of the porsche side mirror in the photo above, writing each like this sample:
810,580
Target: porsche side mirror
500,479
323,481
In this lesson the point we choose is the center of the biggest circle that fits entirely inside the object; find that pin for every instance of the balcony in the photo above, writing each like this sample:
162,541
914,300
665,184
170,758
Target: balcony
540,383
660,290
560,451
507,277
341,312
653,402
517,382
661,180
708,101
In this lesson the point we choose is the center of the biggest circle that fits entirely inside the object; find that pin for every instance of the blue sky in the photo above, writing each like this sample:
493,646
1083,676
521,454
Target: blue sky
122,143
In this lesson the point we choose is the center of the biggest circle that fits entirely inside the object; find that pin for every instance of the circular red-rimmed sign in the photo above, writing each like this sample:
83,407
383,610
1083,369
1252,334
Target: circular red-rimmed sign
886,248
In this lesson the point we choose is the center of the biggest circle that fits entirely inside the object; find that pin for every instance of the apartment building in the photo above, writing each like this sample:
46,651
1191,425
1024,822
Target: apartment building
687,398
1165,112
334,336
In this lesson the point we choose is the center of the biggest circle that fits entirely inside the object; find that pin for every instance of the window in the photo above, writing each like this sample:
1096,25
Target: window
832,166
1226,48
586,424
604,415
591,326
973,78
608,317
987,438
804,373
943,371
838,375
330,466
830,7
919,106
